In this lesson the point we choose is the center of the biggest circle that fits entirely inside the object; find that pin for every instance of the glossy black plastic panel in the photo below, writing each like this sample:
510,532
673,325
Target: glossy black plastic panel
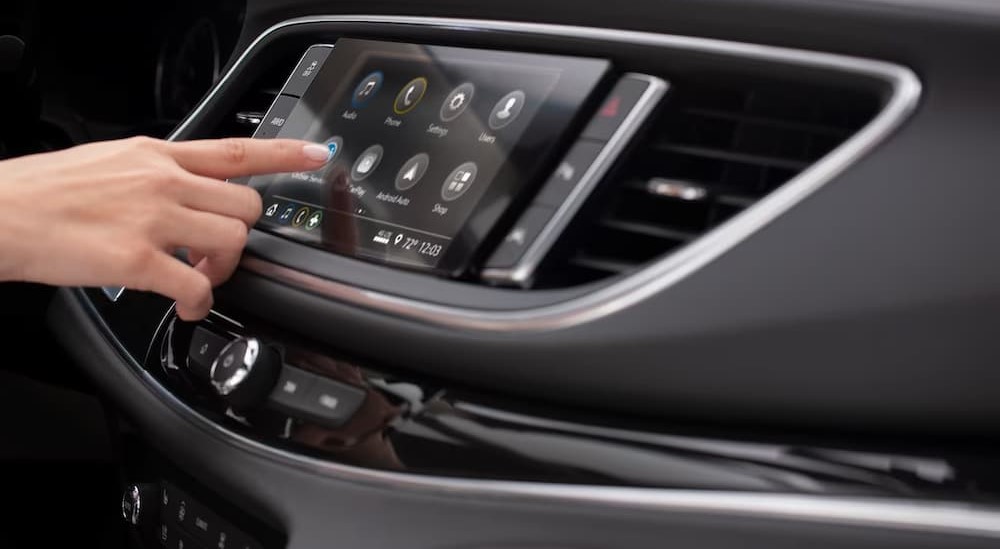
298,495
416,424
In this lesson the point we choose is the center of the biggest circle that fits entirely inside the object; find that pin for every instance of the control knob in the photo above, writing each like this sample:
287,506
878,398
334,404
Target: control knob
139,502
245,372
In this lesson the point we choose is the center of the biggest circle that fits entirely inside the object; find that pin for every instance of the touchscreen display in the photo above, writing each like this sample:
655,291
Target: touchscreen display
429,146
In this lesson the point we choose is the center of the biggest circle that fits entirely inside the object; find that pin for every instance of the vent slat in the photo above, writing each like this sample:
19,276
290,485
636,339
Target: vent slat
648,229
735,200
717,148
602,264
803,127
733,156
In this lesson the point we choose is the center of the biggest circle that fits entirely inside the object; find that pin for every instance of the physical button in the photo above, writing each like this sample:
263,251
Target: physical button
521,235
305,72
616,107
331,403
177,507
205,346
292,387
204,525
568,173
276,117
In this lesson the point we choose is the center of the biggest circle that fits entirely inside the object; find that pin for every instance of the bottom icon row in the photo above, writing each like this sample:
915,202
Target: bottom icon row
301,217
412,171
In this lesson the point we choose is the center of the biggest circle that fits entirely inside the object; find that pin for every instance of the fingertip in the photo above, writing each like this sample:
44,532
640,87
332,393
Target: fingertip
317,152
191,312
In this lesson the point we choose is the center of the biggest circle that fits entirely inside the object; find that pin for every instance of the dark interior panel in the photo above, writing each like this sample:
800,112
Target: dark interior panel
822,375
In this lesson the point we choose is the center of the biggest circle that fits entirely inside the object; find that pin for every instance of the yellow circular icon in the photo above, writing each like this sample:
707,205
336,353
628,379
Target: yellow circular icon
300,217
410,95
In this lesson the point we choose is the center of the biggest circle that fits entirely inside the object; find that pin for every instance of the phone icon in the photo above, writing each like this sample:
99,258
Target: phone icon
410,95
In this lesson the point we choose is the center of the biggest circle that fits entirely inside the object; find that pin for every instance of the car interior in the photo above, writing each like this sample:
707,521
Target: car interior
691,274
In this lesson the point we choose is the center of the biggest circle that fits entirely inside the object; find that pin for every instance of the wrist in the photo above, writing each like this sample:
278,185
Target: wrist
15,240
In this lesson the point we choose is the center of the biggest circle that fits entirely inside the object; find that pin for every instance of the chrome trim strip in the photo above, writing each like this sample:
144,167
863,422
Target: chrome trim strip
632,289
524,270
913,516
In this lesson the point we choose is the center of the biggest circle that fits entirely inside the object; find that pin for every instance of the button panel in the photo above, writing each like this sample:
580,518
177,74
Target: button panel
205,346
276,117
306,71
331,403
314,398
186,523
616,107
521,235
568,173
293,385
626,108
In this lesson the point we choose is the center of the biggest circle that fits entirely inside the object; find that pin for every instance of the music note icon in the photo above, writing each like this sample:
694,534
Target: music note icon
366,89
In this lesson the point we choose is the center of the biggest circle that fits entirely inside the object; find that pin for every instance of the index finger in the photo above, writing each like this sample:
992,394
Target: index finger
239,156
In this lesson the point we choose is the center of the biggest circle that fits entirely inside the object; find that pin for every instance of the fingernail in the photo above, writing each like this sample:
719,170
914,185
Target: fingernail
316,152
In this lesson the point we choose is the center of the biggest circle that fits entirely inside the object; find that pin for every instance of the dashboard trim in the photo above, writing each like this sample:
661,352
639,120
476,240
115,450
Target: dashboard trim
633,288
939,517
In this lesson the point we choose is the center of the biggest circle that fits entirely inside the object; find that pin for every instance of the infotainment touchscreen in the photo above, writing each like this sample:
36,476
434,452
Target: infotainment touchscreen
429,146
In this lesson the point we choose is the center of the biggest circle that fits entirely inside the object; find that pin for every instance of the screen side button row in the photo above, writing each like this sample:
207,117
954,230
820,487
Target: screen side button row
623,98
625,109
569,172
276,117
520,236
306,71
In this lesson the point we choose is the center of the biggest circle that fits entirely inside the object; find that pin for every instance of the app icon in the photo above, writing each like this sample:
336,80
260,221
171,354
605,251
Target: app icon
366,89
412,171
271,210
459,181
367,162
410,95
300,216
287,214
314,220
334,144
457,101
507,109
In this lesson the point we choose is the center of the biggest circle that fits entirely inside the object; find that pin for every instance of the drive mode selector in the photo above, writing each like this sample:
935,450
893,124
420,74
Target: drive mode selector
245,372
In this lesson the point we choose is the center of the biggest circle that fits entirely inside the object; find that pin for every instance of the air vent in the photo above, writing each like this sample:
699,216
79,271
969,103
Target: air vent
717,148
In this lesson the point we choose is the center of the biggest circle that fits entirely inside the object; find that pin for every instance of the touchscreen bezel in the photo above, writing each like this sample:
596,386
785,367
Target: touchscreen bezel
573,95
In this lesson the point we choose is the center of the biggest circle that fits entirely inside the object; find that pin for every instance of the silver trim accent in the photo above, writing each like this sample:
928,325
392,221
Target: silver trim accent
524,270
227,386
915,516
659,275
113,292
133,497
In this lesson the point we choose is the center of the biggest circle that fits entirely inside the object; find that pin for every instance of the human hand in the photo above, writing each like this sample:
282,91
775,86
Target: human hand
114,213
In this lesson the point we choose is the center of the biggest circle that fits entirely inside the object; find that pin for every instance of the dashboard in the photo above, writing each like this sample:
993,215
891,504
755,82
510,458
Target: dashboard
582,275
